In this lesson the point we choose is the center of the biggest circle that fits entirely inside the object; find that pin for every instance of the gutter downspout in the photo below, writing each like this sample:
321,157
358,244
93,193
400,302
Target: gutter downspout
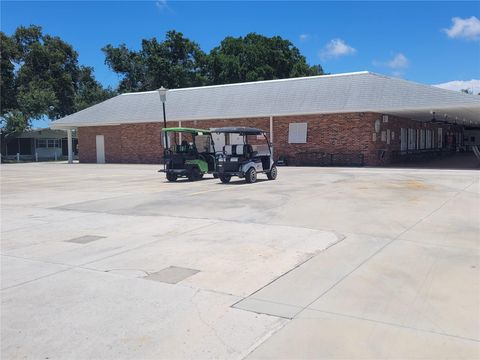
271,133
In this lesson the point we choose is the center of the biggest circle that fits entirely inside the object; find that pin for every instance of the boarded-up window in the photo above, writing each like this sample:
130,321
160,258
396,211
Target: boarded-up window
297,133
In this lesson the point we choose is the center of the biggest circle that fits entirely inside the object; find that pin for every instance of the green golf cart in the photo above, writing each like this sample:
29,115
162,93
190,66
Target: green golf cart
190,153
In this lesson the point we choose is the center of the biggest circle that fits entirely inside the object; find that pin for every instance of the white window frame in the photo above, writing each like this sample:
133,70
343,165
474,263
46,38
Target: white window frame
48,143
42,143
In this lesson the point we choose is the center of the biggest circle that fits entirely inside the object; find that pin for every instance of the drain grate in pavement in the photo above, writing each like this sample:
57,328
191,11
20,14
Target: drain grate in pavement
85,239
172,274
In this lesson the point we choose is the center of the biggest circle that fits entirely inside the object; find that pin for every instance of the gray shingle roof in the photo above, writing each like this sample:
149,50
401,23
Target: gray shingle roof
350,92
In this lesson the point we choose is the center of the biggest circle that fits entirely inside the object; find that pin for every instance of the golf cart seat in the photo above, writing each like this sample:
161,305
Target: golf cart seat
188,149
243,152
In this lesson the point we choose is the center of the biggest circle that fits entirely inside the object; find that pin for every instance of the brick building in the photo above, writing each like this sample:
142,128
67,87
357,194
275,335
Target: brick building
353,119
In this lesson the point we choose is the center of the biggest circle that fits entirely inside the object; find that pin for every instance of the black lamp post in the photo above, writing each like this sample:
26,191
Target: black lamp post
163,98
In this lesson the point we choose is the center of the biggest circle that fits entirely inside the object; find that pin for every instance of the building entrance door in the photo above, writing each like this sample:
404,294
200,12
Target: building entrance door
100,145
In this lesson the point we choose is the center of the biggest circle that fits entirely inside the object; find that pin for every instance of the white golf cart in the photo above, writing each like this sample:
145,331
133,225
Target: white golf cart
244,159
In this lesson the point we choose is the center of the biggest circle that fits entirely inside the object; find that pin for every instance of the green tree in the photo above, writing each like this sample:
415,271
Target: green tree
179,62
41,78
89,90
48,74
173,63
7,74
257,57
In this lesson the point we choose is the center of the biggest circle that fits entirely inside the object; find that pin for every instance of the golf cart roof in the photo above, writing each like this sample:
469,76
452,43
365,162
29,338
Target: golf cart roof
239,130
186,130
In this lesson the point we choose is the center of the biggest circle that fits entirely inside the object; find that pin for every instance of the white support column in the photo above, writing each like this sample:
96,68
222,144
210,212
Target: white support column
271,133
70,146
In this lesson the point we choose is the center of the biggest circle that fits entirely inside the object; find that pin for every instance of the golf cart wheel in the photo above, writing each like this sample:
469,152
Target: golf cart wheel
225,178
251,175
272,174
194,174
172,177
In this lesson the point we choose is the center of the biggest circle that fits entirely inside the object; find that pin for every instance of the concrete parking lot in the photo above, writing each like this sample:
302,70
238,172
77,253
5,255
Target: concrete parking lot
112,262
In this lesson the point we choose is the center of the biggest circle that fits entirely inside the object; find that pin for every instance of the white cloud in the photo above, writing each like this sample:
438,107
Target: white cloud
161,4
457,85
468,28
304,37
397,64
336,48
399,61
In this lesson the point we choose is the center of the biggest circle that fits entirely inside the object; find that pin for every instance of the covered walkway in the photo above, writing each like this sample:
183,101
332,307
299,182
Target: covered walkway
455,161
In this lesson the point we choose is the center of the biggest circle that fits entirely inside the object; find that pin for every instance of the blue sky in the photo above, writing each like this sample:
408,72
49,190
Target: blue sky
428,42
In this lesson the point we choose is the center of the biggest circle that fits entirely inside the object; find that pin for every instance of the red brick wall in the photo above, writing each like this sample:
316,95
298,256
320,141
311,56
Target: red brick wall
141,143
349,133
326,133
87,146
129,143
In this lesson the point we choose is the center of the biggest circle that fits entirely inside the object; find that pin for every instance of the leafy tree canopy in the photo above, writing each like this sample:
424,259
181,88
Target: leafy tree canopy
257,57
175,62
178,62
41,78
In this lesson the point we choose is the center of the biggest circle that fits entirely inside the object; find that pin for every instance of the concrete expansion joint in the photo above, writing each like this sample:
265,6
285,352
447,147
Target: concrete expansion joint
383,247
230,350
340,237
35,279
146,273
392,324
212,291
345,276
271,332
146,244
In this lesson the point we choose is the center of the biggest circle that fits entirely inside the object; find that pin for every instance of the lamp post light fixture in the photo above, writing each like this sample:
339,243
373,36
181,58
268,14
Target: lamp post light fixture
163,98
